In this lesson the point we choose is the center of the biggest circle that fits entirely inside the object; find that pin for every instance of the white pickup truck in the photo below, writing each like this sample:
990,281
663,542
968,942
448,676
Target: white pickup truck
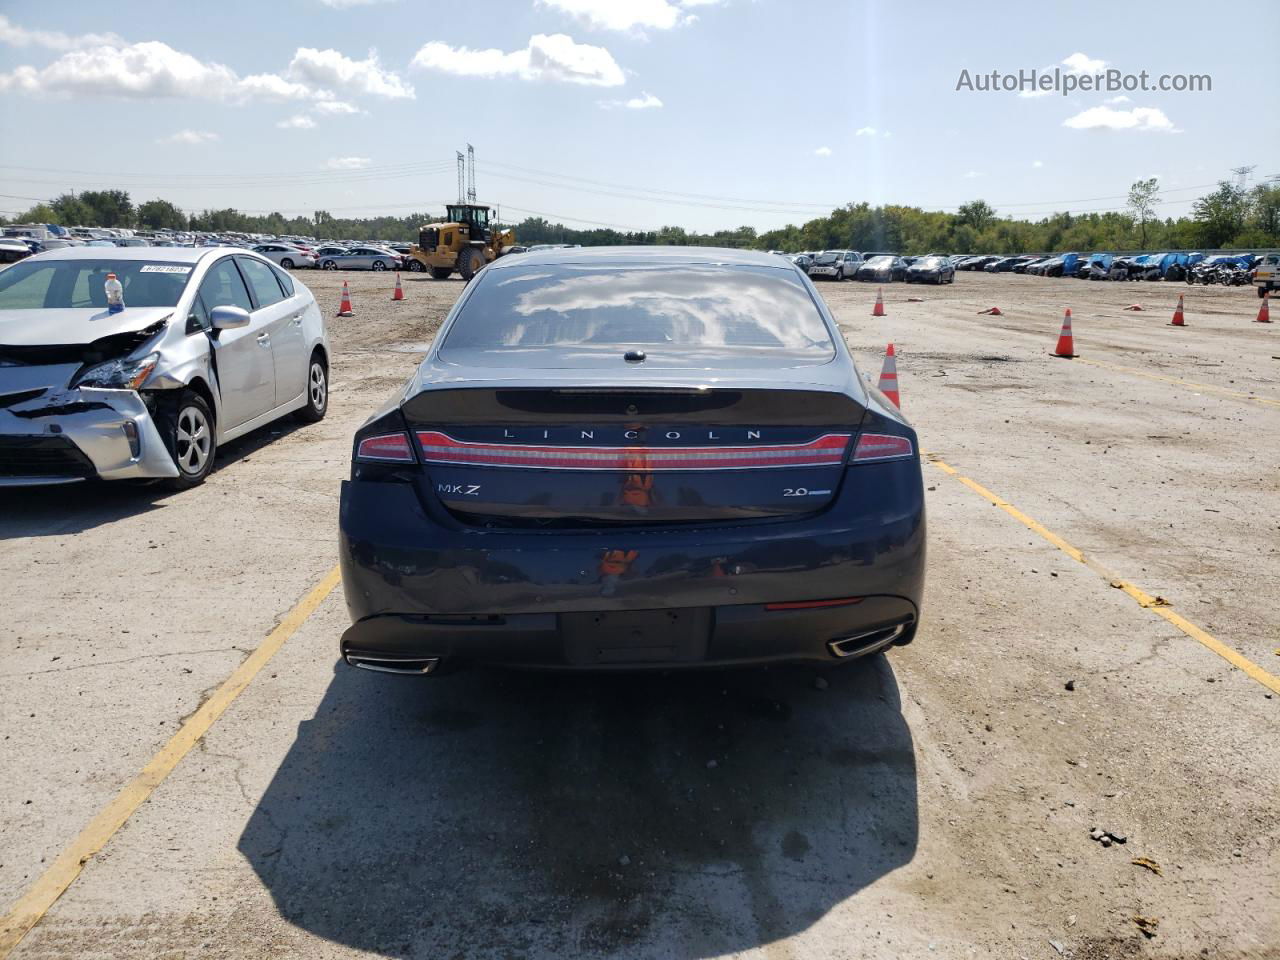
1267,276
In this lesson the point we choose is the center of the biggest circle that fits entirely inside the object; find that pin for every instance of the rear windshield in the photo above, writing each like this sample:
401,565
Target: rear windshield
665,308
37,284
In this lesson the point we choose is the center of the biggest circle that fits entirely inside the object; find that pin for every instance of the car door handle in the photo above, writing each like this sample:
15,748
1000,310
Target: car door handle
264,339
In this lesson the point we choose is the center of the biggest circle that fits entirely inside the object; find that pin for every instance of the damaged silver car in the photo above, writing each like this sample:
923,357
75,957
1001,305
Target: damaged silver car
138,362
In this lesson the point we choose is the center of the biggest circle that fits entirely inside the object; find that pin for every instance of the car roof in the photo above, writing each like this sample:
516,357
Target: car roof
627,256
168,254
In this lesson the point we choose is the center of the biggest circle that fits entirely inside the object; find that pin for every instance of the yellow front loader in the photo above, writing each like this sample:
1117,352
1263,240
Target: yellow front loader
464,243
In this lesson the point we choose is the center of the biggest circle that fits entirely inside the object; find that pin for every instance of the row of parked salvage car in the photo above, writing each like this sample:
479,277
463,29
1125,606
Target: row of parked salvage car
1226,269
874,267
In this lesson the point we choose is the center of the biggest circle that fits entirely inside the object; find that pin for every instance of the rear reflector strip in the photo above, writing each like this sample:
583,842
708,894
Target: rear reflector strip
389,446
876,446
811,604
826,451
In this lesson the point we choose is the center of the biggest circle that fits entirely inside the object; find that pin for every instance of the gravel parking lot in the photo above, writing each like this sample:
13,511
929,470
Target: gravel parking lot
936,801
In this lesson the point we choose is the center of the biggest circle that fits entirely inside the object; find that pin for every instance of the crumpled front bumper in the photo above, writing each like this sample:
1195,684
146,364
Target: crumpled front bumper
47,439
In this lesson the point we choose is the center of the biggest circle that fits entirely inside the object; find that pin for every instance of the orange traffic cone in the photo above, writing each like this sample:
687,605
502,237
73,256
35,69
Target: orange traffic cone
1135,307
994,311
1264,311
1178,320
889,377
878,311
344,310
399,294
1066,344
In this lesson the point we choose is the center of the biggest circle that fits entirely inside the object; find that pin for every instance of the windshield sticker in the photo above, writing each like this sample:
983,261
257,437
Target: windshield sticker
165,268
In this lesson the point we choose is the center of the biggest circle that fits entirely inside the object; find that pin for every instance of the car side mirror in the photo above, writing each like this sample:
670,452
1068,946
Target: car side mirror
229,318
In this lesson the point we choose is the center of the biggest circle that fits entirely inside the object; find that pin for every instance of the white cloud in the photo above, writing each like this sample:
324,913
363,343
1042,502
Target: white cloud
1108,118
335,106
1037,164
148,70
155,70
16,36
1120,99
646,101
865,132
348,163
271,86
629,14
299,121
1077,63
1080,63
822,152
190,137
971,174
329,68
546,57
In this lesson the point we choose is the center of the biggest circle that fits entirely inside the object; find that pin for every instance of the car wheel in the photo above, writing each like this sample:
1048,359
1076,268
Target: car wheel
441,273
187,430
329,265
379,265
414,266
317,391
287,263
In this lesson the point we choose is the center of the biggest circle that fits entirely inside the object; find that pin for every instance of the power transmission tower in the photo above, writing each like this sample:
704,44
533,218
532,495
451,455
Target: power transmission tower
462,176
471,174
1242,174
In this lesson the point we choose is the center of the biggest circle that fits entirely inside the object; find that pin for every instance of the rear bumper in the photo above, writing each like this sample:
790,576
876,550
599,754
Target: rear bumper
741,635
70,435
419,585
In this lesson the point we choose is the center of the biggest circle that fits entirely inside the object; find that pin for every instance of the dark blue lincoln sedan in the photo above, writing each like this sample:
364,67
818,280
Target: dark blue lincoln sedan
629,458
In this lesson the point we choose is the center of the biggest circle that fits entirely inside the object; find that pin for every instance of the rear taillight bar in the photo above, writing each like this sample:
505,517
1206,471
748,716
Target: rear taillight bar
882,446
826,451
386,447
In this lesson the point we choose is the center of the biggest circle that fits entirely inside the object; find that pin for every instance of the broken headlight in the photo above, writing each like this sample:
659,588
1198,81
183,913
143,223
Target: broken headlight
121,374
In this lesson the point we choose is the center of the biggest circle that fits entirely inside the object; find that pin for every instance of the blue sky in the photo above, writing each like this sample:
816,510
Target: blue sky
635,114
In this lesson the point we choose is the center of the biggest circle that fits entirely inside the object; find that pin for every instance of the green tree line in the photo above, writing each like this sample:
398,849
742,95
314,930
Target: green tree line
1228,217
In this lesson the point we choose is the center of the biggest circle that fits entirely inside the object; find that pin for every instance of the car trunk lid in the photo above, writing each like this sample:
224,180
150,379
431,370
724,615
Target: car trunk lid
582,456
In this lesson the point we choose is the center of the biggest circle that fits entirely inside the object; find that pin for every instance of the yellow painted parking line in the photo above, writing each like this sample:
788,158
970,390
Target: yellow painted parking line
1157,605
28,911
1207,388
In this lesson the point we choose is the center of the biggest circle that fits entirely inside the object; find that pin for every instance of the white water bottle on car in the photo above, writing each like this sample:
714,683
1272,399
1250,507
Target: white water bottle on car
115,294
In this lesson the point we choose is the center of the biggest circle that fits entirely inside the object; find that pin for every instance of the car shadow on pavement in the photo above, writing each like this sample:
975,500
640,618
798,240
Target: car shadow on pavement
262,438
497,813
63,509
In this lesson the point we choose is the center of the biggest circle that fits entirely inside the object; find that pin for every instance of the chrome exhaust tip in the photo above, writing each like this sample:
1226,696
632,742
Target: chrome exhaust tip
868,641
418,667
